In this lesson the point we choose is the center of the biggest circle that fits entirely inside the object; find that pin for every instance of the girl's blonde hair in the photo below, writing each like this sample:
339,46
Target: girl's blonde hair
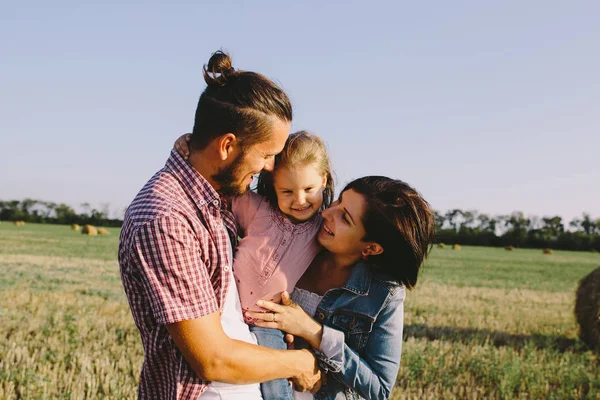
301,148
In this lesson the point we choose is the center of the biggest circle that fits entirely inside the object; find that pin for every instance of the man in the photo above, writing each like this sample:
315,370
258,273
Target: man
176,249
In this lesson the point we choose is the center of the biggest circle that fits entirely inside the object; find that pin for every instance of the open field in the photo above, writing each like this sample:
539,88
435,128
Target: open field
483,323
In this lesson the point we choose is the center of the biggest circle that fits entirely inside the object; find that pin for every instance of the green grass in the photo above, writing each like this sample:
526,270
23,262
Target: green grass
57,240
482,323
517,269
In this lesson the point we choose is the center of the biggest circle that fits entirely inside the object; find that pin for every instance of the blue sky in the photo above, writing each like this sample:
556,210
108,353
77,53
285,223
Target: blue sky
479,105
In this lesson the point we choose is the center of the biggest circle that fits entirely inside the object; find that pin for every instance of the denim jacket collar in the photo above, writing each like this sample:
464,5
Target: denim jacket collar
360,279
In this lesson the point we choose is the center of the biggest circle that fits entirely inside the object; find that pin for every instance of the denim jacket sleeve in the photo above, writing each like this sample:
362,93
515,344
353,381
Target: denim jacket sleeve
374,374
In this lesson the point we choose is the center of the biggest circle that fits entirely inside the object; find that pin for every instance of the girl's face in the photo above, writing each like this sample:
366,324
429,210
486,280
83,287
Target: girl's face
343,231
299,191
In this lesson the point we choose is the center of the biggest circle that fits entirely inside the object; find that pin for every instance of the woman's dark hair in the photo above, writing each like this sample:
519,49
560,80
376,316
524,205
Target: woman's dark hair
240,102
401,221
301,148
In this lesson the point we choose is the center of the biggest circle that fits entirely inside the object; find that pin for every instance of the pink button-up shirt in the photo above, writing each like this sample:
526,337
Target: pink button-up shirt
273,253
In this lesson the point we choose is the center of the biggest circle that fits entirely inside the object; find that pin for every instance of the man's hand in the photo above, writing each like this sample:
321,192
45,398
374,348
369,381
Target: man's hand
310,379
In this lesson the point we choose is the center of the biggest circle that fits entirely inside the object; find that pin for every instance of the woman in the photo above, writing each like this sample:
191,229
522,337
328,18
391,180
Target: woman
376,236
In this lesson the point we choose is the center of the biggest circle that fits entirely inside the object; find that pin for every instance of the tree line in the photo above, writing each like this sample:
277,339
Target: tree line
465,227
47,212
477,229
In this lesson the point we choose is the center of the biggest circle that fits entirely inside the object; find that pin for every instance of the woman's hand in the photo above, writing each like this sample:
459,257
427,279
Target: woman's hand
288,317
181,145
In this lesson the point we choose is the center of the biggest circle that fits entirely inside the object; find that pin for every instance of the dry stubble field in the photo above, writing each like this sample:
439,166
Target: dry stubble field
483,322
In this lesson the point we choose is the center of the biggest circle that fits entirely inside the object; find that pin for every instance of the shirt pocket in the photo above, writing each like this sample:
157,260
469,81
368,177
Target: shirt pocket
356,328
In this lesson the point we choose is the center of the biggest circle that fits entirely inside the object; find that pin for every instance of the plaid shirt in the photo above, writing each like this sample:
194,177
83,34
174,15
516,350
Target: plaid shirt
173,258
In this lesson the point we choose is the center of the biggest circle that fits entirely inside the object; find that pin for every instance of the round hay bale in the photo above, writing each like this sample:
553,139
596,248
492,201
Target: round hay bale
102,231
587,309
19,223
89,230
441,245
456,247
509,248
75,227
547,251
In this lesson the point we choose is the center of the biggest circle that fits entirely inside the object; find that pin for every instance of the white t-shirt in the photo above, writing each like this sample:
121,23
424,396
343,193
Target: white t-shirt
235,327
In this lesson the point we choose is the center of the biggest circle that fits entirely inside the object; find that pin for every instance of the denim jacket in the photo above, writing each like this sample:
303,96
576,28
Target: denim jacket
362,336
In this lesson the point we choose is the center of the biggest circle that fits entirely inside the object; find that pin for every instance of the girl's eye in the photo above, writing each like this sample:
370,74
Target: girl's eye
309,189
345,219
287,192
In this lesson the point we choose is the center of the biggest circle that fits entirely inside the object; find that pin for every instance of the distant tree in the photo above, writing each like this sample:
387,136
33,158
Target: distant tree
65,214
470,219
553,227
586,225
439,220
27,206
454,218
487,224
516,232
87,210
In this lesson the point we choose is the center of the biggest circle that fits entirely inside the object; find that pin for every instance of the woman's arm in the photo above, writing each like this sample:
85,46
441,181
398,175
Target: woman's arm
374,375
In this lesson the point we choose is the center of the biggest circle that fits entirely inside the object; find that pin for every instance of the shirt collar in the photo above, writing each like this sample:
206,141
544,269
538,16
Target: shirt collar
360,279
195,185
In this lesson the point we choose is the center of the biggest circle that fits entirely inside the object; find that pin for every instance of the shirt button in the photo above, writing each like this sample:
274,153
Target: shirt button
320,316
226,268
216,202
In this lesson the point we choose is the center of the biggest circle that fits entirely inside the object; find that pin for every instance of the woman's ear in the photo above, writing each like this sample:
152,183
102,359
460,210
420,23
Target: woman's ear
373,249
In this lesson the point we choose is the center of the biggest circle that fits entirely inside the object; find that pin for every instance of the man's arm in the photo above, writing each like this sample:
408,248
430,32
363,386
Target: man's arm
216,357
182,298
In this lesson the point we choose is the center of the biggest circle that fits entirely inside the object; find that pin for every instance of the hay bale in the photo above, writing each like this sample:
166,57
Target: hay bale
509,248
75,227
587,309
19,223
89,230
547,251
441,245
456,246
102,231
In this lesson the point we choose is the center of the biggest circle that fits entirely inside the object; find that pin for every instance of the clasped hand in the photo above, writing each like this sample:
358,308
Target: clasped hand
288,317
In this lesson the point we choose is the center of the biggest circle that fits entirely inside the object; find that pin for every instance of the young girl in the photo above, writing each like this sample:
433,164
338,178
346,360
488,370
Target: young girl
278,226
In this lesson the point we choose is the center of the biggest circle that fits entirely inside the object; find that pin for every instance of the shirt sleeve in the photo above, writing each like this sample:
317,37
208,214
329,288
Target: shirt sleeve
331,351
373,374
244,209
174,277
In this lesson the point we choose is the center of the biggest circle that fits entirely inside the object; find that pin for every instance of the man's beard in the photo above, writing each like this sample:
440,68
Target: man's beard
228,181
